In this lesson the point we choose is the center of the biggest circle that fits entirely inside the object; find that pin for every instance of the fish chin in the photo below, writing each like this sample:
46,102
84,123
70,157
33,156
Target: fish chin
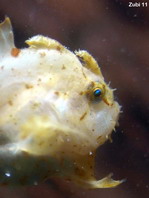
100,124
107,121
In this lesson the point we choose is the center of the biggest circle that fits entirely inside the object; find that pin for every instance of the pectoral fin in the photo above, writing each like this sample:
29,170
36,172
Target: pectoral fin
106,182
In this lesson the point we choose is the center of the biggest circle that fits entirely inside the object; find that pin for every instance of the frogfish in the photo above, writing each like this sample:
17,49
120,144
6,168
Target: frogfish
55,110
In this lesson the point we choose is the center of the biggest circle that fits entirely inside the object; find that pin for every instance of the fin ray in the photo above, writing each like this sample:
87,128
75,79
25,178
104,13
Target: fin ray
6,37
89,62
44,42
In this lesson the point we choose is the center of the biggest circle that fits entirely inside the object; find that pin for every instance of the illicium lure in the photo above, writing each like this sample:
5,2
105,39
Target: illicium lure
55,110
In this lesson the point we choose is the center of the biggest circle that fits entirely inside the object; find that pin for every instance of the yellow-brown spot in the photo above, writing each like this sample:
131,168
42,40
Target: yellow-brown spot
56,92
58,48
83,116
24,153
28,86
63,67
81,93
10,102
83,73
42,54
99,137
35,105
41,143
15,52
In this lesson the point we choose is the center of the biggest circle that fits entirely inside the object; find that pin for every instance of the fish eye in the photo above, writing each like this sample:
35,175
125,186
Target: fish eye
97,92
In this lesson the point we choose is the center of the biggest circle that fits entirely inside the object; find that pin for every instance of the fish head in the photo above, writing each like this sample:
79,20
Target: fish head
74,101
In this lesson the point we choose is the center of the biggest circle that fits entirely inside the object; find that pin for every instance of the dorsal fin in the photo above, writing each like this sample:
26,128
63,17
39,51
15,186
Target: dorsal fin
89,62
6,37
44,42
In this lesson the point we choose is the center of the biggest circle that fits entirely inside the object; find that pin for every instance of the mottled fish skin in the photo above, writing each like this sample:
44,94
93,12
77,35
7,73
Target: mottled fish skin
55,111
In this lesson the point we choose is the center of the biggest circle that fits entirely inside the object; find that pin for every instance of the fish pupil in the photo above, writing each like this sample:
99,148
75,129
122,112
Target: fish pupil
97,92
